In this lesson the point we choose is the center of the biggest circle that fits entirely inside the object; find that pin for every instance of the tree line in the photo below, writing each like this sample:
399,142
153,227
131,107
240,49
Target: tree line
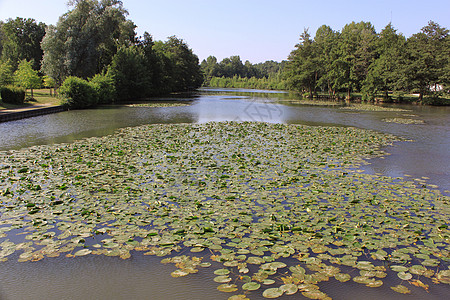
357,59
232,72
96,48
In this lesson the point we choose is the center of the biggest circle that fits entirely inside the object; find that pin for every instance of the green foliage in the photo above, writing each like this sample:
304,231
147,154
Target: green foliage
78,93
302,68
104,88
12,94
128,73
231,72
21,40
274,82
425,61
96,38
233,66
358,60
180,64
6,73
48,82
86,38
26,77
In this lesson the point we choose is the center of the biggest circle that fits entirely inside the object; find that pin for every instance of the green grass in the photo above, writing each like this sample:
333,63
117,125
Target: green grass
41,96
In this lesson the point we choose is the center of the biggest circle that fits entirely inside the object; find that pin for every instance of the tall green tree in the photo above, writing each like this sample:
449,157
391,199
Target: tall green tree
182,64
128,73
21,39
26,77
86,38
327,42
209,67
6,73
425,60
384,71
302,67
357,52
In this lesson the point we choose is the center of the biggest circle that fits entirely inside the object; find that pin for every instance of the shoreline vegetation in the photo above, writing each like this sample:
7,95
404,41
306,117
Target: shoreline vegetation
356,63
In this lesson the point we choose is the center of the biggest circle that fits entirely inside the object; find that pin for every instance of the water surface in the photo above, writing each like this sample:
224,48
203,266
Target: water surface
144,277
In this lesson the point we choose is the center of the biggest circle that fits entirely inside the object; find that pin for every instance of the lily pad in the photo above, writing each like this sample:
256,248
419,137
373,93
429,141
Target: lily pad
272,293
227,288
401,289
83,252
251,286
404,276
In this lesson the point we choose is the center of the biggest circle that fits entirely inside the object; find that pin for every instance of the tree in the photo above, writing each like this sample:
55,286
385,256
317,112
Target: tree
49,83
357,45
209,67
180,64
86,38
425,60
6,73
302,67
26,77
326,40
128,72
385,70
21,39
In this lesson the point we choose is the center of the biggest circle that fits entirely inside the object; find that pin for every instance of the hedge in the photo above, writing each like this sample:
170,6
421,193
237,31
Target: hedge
12,94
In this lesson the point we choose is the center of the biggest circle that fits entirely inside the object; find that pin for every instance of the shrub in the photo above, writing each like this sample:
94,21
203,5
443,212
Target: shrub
104,88
78,93
12,95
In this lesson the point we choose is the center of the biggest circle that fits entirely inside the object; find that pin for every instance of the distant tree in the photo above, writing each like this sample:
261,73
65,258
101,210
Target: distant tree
209,67
6,73
267,68
21,39
86,38
26,77
302,67
49,83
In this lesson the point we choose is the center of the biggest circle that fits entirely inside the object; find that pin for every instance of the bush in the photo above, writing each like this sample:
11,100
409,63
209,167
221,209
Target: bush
104,88
13,95
78,93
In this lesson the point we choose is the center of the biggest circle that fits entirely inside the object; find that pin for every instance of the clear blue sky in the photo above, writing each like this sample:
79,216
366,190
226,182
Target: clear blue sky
257,30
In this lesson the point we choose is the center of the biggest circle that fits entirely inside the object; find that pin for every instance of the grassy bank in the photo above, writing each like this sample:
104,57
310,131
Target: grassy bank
41,96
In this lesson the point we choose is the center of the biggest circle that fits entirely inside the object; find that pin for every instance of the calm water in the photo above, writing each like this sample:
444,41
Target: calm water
428,156
144,277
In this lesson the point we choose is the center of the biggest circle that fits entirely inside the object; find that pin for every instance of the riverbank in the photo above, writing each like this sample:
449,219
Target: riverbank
28,112
43,103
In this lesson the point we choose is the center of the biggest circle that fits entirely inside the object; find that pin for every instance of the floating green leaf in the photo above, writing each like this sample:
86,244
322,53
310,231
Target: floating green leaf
272,293
251,286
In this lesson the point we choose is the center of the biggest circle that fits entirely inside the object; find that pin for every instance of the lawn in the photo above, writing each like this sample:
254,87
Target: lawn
41,96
